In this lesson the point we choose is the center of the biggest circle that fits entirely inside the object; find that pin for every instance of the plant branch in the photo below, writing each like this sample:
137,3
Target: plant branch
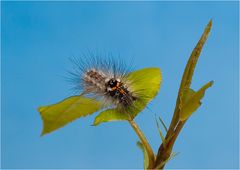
145,143
188,74
176,125
167,149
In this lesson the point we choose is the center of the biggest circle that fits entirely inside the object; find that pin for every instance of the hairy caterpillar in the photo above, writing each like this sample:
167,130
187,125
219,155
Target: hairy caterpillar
106,85
106,79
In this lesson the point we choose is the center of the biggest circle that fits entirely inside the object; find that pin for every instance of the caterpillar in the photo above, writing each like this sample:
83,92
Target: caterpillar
103,84
104,79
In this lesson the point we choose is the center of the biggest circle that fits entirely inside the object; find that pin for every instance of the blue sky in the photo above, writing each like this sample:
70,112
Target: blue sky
39,37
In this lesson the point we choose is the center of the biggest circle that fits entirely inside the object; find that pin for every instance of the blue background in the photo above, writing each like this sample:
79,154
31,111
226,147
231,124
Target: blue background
39,37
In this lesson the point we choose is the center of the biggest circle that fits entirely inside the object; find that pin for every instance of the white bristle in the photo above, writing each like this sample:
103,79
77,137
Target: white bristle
107,82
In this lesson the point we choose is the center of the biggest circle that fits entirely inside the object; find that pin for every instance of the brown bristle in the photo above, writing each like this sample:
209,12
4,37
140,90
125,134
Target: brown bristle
105,85
95,79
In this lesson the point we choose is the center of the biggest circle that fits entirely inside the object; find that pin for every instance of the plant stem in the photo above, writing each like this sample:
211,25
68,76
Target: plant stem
176,125
145,143
165,150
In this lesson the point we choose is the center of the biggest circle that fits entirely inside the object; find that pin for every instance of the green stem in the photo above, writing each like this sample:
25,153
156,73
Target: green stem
145,143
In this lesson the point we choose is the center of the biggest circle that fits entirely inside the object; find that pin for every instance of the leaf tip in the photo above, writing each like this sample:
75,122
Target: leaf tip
208,28
40,108
43,133
211,83
210,23
96,122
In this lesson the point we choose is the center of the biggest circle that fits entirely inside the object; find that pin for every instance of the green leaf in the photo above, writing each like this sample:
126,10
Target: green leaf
192,100
163,124
109,115
146,84
183,108
145,155
188,93
188,74
64,112
190,67
192,61
160,132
